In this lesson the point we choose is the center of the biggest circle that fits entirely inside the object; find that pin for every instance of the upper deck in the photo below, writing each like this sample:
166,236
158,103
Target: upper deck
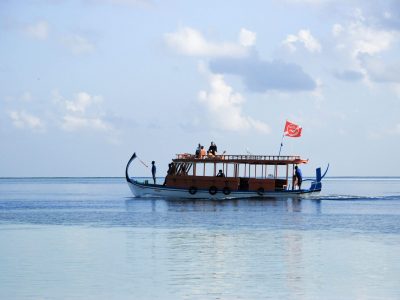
241,159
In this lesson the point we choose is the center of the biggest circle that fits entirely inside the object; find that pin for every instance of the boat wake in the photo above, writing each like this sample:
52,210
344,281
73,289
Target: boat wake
356,197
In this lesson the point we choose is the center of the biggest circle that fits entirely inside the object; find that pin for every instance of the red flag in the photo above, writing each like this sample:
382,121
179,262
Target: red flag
292,129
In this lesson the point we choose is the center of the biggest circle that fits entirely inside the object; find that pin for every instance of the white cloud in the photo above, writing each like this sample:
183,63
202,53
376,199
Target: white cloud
38,30
247,38
366,45
359,38
189,41
368,40
225,107
22,119
83,112
81,102
304,37
72,123
78,44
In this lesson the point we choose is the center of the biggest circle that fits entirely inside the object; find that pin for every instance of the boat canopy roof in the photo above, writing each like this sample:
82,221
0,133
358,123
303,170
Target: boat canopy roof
241,159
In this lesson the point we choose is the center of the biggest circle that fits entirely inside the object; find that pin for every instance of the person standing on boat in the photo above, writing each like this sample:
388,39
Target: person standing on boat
298,176
153,170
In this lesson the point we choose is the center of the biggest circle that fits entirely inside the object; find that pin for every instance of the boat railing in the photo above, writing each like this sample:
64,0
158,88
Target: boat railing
188,156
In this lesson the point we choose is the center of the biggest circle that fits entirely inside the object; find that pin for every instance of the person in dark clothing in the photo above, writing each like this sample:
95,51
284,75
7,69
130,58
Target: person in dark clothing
298,176
212,149
171,170
153,170
220,174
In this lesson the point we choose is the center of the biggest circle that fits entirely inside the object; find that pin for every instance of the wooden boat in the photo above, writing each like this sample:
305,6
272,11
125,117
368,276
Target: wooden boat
245,176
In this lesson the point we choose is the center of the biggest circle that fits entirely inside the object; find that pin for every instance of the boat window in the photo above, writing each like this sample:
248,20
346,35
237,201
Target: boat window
229,170
184,169
279,171
209,169
219,166
189,169
261,171
252,171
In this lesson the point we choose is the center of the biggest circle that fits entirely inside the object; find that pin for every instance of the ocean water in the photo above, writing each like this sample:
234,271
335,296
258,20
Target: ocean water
88,238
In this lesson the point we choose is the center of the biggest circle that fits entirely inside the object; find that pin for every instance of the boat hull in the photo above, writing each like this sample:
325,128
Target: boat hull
140,189
151,190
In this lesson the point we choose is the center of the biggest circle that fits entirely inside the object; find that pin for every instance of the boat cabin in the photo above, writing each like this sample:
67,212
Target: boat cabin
226,173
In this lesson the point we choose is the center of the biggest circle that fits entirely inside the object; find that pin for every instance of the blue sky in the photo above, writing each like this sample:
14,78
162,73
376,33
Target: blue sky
85,83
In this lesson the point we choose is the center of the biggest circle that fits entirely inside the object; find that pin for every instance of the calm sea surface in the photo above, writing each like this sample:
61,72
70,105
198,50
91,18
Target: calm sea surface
87,238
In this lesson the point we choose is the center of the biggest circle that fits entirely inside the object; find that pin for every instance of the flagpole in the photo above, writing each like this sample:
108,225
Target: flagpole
280,148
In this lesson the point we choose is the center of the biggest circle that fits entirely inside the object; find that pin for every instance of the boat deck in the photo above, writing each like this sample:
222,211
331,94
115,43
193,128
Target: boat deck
243,159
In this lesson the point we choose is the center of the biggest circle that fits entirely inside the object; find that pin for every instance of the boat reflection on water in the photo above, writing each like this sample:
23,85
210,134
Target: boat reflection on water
233,242
156,204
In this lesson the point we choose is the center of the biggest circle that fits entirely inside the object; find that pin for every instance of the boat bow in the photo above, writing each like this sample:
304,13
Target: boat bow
127,167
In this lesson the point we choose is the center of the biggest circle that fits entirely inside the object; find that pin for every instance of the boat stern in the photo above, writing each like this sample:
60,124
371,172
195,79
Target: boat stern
316,186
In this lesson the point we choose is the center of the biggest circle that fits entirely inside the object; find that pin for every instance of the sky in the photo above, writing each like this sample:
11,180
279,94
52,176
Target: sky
85,83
